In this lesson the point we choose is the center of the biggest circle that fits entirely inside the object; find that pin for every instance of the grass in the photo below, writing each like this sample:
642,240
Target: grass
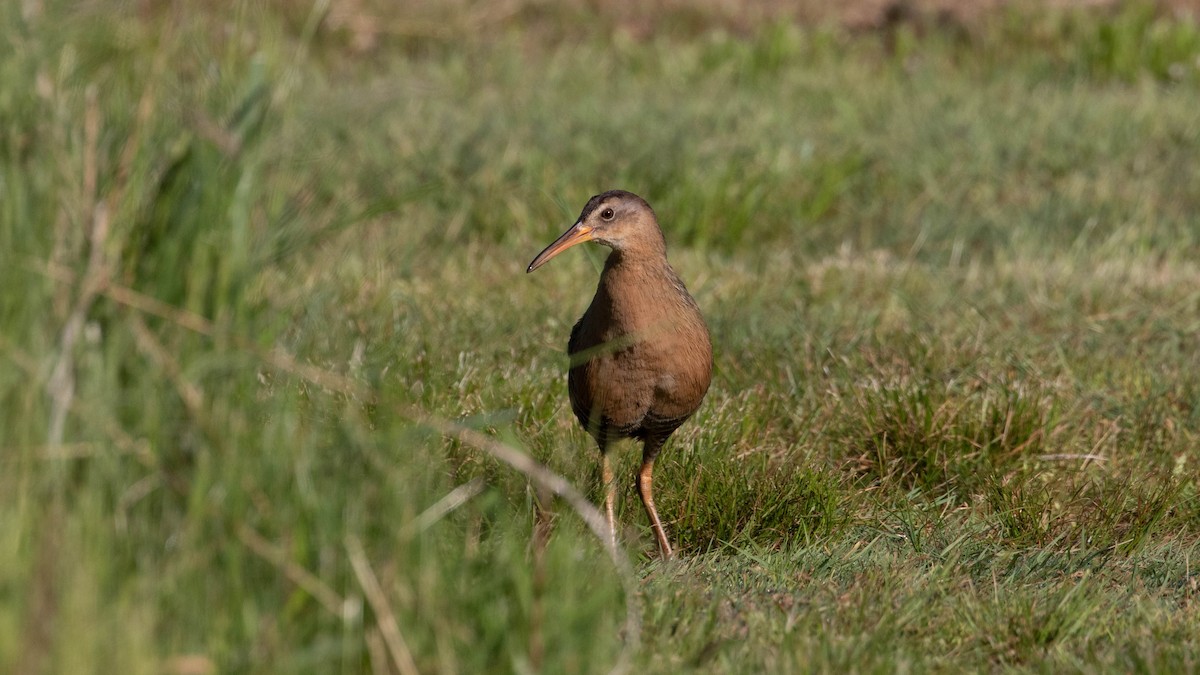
951,278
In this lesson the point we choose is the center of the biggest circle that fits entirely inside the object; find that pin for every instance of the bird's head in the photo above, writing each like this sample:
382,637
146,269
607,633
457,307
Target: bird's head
617,219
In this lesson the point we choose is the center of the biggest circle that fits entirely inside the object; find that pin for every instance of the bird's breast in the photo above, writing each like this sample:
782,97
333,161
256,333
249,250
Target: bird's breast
637,359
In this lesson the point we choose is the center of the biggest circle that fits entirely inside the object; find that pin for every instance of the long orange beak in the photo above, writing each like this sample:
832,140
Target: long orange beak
578,234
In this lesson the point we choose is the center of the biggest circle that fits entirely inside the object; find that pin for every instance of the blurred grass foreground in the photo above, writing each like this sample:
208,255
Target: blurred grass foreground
263,312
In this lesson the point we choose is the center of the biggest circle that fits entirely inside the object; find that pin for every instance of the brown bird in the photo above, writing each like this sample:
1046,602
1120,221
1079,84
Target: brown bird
641,360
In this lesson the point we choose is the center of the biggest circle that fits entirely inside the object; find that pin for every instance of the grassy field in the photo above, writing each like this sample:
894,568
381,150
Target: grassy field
261,265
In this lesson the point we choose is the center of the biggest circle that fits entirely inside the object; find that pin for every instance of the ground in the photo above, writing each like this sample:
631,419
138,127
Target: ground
273,373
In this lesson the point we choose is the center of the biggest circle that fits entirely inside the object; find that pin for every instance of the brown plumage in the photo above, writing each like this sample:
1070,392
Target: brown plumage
641,360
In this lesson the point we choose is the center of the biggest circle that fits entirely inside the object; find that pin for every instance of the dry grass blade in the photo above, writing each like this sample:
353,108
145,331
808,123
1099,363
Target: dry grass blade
61,385
149,305
384,616
189,393
440,509
198,324
542,526
547,480
378,652
295,573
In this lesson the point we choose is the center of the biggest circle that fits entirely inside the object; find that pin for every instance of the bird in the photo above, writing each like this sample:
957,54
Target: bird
641,358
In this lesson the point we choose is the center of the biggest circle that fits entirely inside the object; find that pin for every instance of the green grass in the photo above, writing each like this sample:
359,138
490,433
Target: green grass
951,277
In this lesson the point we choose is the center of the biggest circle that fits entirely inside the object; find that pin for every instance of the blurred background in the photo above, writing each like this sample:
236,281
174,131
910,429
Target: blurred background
261,263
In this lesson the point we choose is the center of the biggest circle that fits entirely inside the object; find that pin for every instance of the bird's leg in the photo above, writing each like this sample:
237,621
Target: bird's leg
645,484
610,496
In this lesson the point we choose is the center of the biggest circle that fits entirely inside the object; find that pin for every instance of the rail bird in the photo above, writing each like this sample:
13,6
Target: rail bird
641,359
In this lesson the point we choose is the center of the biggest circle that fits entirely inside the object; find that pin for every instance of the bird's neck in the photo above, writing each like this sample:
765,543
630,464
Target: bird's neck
635,268
639,290
641,260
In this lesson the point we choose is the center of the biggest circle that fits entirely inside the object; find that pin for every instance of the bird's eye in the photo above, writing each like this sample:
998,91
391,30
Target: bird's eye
607,214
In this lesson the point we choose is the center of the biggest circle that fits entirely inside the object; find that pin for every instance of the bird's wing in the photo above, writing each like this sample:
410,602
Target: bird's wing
581,398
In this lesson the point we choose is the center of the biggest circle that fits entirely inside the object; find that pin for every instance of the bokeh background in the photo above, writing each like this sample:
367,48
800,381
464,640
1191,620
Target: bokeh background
264,325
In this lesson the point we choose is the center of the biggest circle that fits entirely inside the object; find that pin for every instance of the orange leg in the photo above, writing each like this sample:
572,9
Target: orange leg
645,484
610,497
